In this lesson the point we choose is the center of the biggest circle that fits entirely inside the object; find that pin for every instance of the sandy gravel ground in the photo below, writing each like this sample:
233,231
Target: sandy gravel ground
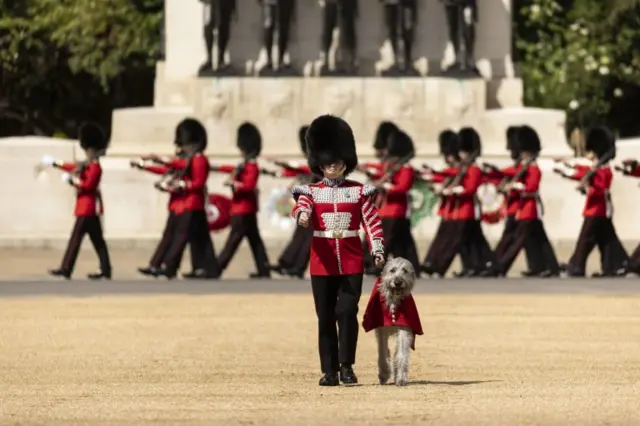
252,360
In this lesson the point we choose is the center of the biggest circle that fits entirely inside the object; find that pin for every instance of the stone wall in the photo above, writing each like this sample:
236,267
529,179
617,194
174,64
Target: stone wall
39,207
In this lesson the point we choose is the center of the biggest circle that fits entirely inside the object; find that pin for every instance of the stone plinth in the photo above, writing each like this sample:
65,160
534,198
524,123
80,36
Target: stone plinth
423,107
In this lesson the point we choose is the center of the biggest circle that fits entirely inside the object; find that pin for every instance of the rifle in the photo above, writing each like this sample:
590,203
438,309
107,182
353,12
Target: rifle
582,187
519,175
462,171
395,167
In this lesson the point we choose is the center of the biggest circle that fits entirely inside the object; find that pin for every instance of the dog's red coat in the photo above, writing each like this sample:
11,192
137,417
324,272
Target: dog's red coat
377,314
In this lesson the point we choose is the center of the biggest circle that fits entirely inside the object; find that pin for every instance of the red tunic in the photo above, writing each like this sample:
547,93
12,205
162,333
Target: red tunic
466,204
598,202
374,168
337,209
245,195
530,205
301,170
445,211
88,199
378,314
512,198
195,189
635,172
396,202
174,198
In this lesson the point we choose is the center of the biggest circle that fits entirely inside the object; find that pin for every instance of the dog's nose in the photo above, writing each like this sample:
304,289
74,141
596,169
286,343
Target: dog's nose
397,283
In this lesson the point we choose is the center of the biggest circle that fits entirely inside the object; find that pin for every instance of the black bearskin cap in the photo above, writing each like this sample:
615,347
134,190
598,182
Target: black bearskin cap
330,139
470,141
600,140
302,133
512,138
400,145
191,132
91,135
249,139
385,130
448,141
528,140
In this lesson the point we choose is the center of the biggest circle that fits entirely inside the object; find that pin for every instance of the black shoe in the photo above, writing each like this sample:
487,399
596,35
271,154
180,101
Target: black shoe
60,273
529,274
329,379
293,273
166,273
548,274
347,376
278,269
100,275
259,276
490,273
199,274
427,268
149,272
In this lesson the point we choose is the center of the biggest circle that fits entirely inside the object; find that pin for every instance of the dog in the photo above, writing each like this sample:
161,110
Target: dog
392,312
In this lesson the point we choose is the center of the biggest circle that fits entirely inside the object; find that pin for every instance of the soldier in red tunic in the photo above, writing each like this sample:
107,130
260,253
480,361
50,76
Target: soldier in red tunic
85,178
597,228
244,202
336,208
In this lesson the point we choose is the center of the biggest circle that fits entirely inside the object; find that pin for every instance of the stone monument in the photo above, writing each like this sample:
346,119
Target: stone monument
277,19
339,15
462,16
279,106
217,27
401,17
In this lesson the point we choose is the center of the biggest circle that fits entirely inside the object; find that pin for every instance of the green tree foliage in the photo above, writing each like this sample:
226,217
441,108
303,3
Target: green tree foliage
62,61
582,56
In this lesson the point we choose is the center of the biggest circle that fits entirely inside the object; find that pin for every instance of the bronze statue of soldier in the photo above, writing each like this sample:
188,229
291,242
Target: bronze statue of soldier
342,14
277,15
462,16
401,18
217,15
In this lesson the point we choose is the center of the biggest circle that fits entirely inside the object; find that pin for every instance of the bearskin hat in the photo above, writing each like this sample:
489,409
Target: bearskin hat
528,140
448,141
400,145
512,142
385,130
249,139
469,140
91,135
600,140
191,132
302,133
330,139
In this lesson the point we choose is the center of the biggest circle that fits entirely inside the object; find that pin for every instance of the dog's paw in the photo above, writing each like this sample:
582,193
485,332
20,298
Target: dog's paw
401,382
383,378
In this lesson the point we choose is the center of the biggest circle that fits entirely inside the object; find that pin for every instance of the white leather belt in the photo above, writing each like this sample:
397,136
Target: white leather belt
335,234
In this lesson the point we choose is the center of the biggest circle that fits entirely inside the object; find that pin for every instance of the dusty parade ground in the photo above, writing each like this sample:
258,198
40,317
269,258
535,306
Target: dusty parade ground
516,352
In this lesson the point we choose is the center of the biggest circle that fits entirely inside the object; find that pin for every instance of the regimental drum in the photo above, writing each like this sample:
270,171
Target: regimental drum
491,202
279,207
217,209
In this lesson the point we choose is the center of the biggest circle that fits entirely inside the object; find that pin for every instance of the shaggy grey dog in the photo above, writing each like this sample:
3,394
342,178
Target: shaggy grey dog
396,283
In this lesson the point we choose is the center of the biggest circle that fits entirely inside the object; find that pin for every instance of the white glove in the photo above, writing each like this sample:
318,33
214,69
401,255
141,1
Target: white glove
387,185
518,186
458,190
182,184
48,160
66,177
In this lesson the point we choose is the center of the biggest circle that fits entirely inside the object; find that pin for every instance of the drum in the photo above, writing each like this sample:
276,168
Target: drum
491,202
423,200
218,211
279,207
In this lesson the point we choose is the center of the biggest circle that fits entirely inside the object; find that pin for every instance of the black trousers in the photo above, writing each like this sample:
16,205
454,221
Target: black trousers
86,225
398,240
634,261
465,237
368,259
531,236
245,226
468,29
296,254
538,251
436,249
277,18
162,249
192,227
336,300
220,13
340,13
400,22
598,231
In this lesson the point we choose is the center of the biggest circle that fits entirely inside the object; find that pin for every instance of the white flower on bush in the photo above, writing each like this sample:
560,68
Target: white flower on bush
574,27
574,104
584,32
605,60
604,70
617,92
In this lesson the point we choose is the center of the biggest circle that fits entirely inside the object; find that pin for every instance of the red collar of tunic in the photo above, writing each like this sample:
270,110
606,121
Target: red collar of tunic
378,314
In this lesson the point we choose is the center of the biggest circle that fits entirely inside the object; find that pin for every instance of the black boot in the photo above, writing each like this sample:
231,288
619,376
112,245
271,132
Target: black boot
149,271
329,379
60,273
100,275
347,376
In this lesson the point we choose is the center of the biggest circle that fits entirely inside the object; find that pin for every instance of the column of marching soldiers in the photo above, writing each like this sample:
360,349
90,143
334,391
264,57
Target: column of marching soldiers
184,178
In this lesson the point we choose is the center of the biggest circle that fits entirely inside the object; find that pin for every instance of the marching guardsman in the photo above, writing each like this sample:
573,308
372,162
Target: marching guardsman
374,171
336,208
448,141
85,177
528,231
395,211
597,228
191,225
175,198
465,235
244,202
631,167
295,257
